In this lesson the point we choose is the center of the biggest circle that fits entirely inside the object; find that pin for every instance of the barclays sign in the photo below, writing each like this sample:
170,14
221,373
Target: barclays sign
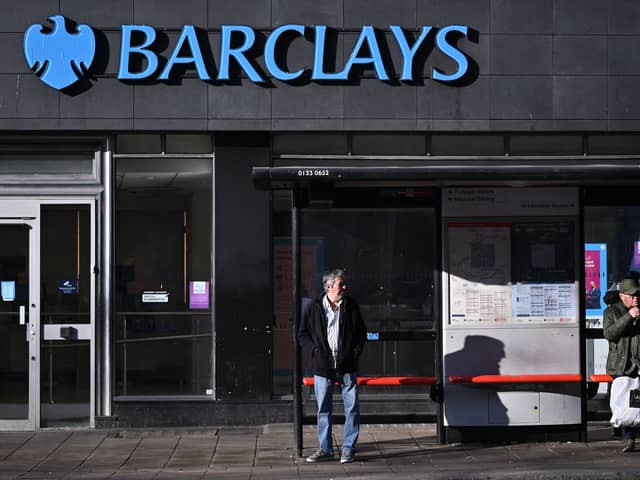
59,57
62,57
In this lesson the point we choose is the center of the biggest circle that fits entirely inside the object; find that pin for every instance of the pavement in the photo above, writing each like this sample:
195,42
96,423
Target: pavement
398,452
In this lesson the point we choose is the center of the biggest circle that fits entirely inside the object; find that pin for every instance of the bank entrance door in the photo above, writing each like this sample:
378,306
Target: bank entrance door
46,313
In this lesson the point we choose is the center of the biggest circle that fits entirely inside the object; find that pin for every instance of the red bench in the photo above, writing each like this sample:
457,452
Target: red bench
600,378
539,378
385,381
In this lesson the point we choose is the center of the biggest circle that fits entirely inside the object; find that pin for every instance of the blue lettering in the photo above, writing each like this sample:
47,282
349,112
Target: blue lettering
318,72
452,52
270,53
238,53
188,35
367,34
408,52
126,50
238,40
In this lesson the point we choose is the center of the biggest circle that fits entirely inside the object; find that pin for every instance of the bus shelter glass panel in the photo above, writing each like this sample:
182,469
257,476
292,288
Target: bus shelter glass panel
612,251
14,347
390,257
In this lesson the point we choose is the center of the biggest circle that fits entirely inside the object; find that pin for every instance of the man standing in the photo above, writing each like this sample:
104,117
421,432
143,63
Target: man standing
622,328
332,327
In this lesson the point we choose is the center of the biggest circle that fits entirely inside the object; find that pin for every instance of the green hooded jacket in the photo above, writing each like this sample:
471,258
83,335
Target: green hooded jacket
624,339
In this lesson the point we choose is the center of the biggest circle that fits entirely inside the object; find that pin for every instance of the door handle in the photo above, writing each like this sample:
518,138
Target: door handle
21,314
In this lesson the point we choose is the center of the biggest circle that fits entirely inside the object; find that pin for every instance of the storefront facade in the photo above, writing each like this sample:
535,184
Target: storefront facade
147,277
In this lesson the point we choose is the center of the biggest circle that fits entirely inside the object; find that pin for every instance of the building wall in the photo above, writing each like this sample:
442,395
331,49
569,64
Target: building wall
543,65
242,267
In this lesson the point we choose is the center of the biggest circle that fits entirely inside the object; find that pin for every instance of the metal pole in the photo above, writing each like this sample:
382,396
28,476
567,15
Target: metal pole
297,358
106,271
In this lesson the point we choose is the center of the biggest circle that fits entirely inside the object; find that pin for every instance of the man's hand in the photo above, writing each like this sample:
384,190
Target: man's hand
634,312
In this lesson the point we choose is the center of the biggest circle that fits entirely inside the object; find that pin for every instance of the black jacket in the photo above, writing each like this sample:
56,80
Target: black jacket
312,335
624,338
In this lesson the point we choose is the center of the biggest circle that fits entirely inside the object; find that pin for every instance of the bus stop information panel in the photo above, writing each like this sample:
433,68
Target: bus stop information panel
511,306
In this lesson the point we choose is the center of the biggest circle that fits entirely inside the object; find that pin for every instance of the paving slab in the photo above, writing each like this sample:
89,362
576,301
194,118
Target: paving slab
397,452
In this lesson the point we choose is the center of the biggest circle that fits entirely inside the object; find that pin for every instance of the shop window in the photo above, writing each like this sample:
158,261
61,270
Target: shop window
310,144
467,145
72,163
48,160
389,145
163,245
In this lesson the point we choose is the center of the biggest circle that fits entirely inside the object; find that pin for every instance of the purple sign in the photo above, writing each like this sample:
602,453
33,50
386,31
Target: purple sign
636,256
199,295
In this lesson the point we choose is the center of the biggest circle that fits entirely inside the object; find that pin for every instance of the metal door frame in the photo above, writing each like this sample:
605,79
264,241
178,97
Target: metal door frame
27,211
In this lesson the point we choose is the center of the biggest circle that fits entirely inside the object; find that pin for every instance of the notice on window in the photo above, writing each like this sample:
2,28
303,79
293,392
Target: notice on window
155,296
479,272
199,295
67,286
541,303
8,288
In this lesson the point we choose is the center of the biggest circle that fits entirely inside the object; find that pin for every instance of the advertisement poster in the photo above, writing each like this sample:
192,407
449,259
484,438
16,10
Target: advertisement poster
595,280
312,258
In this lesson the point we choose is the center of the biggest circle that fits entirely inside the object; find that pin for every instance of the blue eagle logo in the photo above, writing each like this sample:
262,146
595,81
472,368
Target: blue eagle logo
59,57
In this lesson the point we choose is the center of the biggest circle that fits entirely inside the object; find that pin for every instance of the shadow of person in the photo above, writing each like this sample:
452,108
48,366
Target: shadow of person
480,355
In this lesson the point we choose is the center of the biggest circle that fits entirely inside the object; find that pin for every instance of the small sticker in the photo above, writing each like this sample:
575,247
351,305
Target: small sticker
8,288
68,286
159,296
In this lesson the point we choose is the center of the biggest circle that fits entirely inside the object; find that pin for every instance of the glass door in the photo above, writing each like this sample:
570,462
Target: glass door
19,329
47,305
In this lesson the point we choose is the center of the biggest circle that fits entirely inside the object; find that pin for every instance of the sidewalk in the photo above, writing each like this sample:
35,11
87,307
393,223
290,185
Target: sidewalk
395,452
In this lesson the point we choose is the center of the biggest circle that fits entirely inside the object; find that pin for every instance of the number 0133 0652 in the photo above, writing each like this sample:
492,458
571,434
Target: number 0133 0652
313,173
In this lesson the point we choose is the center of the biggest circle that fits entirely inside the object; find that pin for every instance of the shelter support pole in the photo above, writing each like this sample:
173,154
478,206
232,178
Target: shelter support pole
297,315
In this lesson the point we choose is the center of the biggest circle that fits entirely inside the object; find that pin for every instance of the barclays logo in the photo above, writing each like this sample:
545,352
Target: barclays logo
59,57
62,56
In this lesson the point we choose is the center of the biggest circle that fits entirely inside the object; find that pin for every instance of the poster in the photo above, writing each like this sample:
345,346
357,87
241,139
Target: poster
312,258
595,280
543,252
540,303
199,295
511,273
479,272
312,267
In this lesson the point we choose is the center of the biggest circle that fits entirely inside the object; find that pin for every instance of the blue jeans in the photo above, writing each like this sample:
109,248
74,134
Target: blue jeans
323,388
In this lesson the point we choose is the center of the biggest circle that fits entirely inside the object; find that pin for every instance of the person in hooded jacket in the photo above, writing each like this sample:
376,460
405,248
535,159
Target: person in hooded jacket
333,329
621,326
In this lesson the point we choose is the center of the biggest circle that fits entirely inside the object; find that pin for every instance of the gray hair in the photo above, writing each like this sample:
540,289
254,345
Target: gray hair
329,276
